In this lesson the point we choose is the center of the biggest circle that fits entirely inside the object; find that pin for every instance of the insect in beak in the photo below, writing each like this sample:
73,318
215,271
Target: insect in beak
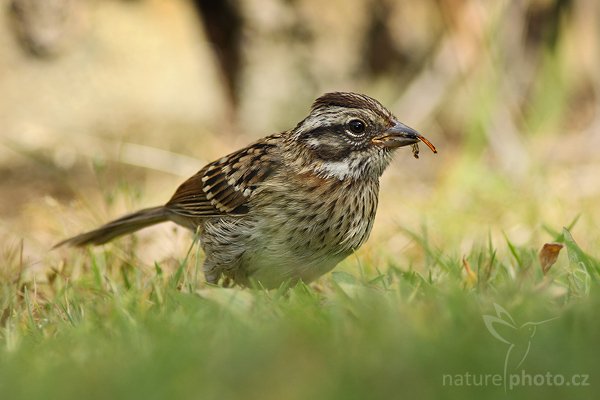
400,135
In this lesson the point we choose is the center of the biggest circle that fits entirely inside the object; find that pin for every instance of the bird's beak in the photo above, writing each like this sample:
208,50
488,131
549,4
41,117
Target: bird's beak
398,135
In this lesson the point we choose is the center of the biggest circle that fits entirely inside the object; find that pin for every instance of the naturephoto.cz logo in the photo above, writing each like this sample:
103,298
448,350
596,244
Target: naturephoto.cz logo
518,339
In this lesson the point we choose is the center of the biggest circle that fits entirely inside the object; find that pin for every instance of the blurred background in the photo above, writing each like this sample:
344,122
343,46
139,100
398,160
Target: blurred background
107,105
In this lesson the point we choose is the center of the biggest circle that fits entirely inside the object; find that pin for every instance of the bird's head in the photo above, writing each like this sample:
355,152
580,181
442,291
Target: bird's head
349,136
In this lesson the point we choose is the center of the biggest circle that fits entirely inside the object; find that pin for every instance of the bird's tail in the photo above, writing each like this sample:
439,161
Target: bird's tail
126,224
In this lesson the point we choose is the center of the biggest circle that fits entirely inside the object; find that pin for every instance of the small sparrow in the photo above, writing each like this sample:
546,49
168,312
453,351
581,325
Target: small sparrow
287,207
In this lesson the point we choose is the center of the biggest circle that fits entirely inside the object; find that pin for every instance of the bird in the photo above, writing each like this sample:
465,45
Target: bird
290,206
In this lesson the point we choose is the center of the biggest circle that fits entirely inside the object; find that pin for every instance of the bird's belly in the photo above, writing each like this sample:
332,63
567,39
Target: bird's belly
292,251
270,270
288,238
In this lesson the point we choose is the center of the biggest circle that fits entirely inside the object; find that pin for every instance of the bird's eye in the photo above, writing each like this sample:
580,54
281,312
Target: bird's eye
356,126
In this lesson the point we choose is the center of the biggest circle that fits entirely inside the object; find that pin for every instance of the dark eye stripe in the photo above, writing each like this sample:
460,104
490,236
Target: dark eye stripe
338,128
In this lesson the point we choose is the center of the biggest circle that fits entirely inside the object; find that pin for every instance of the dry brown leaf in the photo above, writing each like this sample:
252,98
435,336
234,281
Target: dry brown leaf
548,255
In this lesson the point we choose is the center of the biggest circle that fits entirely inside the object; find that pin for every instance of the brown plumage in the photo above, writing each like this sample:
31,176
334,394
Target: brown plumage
289,206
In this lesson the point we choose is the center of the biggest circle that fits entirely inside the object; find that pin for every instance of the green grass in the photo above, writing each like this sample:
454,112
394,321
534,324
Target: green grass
125,332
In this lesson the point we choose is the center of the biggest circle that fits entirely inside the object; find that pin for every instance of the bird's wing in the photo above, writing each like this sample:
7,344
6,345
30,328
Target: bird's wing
225,186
